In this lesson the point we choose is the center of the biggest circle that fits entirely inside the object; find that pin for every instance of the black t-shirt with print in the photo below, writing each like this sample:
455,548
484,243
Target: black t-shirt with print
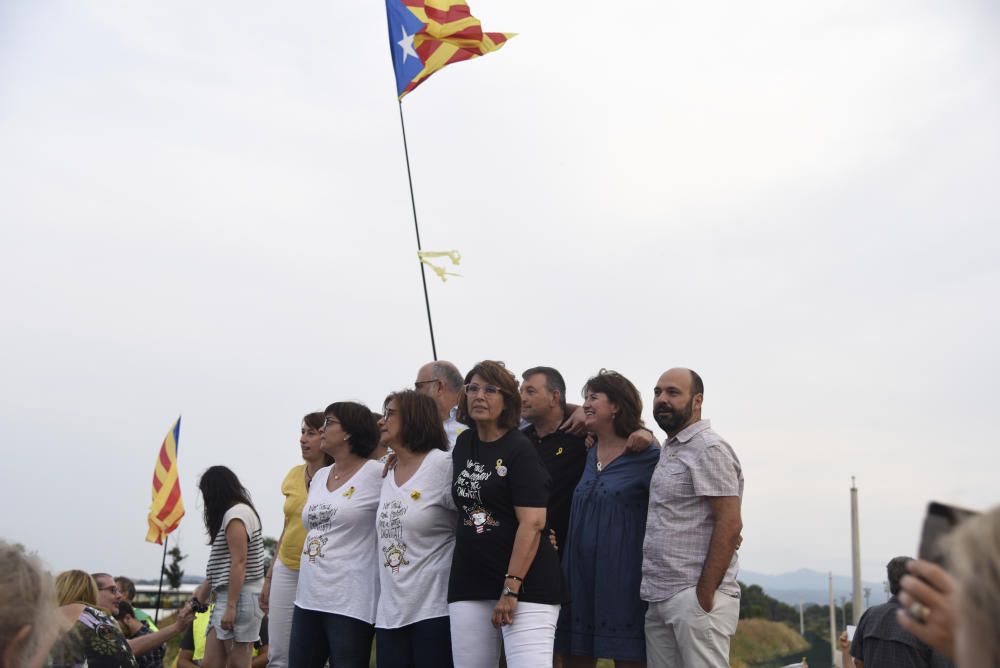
489,479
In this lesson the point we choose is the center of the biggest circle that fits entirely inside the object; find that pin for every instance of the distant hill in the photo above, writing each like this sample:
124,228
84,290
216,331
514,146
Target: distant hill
758,641
810,586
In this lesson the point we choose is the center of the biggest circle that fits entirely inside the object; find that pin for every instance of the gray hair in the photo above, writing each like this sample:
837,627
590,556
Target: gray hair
448,374
28,597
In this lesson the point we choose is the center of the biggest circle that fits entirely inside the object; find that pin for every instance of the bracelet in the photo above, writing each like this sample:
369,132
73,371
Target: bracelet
508,576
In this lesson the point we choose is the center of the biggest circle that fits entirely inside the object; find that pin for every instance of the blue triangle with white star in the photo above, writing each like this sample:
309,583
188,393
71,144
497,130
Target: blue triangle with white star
403,25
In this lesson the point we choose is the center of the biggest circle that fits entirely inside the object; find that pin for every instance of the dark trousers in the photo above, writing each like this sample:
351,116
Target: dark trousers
424,644
318,636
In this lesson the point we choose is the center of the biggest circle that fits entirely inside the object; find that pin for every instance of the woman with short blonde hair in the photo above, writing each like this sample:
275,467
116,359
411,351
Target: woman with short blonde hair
76,587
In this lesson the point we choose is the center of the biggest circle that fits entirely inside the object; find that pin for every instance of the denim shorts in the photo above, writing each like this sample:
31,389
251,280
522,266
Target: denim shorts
246,627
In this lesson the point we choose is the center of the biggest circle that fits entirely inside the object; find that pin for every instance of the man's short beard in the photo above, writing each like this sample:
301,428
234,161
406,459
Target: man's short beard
674,421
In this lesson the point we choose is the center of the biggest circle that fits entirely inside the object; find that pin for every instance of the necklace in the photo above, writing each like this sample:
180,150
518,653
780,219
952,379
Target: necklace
601,465
336,473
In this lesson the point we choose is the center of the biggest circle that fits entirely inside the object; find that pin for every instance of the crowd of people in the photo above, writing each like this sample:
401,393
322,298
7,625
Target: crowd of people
475,519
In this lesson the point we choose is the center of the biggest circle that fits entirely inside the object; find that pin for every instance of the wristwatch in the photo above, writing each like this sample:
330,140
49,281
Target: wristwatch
507,591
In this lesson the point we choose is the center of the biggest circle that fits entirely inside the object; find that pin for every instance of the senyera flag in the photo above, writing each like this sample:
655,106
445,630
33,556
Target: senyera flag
426,35
168,508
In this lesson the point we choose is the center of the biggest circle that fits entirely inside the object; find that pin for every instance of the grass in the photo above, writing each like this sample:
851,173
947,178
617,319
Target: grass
760,640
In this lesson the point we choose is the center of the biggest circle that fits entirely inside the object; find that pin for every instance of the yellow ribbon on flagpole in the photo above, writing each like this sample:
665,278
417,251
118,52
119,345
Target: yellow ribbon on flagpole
441,272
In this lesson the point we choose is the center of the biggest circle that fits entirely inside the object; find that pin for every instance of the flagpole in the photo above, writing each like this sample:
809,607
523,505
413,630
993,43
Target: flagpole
159,590
416,226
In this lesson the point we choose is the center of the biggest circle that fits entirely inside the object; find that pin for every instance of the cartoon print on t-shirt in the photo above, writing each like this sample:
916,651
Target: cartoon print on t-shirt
390,528
314,548
480,518
395,556
469,485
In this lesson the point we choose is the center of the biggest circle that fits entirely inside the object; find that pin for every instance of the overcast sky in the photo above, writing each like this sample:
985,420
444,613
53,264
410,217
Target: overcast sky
204,211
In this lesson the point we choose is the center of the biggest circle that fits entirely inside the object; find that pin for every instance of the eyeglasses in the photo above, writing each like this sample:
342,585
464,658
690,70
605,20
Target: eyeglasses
112,588
330,420
418,383
473,389
389,413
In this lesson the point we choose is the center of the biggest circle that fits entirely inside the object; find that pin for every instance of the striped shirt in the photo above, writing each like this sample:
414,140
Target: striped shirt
219,559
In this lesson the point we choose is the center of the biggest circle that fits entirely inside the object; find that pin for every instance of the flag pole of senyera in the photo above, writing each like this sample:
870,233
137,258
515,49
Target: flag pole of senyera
424,37
168,508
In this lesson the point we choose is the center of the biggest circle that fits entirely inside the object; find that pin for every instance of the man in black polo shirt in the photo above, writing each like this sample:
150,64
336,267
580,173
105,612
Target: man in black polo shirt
543,407
880,641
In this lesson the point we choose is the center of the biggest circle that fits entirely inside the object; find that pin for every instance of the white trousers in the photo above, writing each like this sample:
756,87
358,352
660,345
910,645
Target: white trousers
527,642
281,604
679,634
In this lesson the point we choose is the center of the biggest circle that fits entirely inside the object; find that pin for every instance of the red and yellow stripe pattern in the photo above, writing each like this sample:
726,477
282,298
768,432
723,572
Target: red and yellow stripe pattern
168,507
452,34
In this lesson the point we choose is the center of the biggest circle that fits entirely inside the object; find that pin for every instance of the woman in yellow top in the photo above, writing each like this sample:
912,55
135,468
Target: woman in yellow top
277,598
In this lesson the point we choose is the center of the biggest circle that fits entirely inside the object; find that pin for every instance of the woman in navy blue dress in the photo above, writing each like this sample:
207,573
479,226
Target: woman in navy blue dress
603,552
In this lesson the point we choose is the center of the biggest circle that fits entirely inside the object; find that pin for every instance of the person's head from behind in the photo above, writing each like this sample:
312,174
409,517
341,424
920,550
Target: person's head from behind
410,420
895,570
220,491
442,382
352,426
974,557
76,587
543,394
27,604
610,397
126,587
126,616
490,396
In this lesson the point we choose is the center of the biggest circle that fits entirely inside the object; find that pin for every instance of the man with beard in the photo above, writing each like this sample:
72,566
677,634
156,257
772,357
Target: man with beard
693,526
109,597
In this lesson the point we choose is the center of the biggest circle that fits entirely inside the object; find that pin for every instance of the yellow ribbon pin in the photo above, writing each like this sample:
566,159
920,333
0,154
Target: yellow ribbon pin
441,272
559,452
415,494
350,492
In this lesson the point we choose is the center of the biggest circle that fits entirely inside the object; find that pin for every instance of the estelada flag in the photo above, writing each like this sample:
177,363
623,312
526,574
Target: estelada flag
168,508
426,35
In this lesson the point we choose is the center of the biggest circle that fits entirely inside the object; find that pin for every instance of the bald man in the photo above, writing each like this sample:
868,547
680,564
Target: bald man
442,382
689,562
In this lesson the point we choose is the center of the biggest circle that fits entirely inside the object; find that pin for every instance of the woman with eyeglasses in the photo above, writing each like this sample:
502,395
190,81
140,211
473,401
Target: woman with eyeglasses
416,537
337,593
277,598
235,571
602,557
505,580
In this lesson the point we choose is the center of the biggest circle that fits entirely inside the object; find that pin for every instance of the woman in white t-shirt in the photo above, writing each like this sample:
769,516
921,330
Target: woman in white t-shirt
416,537
335,601
235,571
